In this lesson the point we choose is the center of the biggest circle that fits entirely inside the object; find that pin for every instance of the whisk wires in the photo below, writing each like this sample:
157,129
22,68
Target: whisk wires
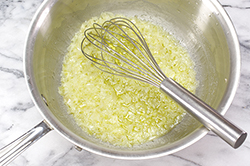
122,51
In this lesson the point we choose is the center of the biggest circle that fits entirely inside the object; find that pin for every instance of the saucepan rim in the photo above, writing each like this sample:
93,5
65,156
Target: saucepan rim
55,124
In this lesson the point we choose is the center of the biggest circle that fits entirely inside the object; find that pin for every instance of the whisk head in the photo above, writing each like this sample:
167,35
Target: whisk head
123,51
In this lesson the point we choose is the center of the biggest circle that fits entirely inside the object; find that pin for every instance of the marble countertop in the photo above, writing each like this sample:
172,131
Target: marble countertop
18,113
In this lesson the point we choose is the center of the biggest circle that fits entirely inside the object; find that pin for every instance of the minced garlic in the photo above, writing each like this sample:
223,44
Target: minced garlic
118,110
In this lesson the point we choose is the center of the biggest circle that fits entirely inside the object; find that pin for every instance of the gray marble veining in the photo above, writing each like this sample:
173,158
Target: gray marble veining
18,113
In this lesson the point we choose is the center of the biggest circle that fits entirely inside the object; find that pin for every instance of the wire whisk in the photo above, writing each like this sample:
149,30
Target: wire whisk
123,51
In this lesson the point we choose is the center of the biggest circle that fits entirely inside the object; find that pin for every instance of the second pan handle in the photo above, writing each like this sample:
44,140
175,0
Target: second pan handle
205,114
15,148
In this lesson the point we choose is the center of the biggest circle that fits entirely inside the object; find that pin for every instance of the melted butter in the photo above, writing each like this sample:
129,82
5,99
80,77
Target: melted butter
119,110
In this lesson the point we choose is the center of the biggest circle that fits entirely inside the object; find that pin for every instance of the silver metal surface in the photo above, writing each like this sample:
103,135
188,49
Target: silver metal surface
202,27
12,150
124,52
117,48
211,119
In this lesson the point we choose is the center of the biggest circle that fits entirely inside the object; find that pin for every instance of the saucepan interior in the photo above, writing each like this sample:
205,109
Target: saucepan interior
202,27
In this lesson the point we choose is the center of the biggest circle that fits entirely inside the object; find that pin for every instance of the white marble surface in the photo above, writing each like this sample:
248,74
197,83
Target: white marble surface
18,114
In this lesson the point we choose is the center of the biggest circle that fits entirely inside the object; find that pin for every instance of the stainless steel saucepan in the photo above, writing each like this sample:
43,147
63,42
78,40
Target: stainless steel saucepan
202,27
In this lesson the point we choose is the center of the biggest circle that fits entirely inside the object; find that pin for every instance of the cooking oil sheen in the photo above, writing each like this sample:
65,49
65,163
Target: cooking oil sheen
119,110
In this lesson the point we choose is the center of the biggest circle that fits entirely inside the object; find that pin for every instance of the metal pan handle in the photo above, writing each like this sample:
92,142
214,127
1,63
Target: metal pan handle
15,148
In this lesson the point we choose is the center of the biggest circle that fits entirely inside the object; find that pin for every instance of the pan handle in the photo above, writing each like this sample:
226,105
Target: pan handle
15,148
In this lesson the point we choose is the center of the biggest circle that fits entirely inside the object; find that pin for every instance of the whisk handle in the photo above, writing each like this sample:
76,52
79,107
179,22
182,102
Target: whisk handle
211,119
